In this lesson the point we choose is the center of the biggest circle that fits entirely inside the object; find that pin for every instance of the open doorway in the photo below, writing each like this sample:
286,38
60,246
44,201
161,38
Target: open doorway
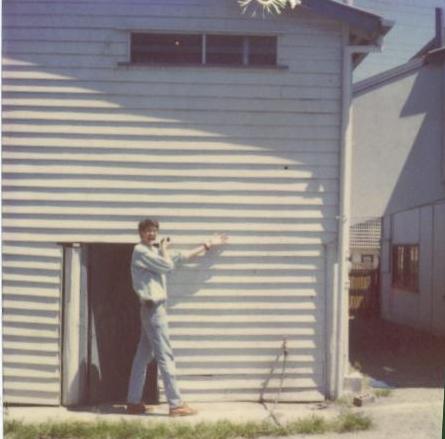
113,326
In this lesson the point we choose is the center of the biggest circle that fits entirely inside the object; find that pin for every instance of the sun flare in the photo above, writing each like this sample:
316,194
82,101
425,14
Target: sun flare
269,6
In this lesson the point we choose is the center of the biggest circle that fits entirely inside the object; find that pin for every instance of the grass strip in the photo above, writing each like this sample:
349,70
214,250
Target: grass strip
383,393
345,422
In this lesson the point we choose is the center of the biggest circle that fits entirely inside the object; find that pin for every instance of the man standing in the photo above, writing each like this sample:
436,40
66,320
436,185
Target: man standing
149,264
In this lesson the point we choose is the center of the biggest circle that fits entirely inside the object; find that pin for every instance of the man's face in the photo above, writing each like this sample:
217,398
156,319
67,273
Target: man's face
148,235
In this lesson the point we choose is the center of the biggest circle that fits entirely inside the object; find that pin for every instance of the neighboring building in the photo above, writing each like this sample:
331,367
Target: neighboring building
399,174
210,120
365,249
413,25
365,242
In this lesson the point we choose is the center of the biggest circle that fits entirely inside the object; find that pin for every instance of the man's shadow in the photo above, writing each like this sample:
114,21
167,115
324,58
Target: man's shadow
114,322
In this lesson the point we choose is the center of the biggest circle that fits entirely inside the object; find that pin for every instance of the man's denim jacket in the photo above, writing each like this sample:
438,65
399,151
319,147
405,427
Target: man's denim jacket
148,270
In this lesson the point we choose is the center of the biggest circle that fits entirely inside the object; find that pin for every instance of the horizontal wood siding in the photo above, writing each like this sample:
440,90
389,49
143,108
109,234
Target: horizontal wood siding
91,145
31,322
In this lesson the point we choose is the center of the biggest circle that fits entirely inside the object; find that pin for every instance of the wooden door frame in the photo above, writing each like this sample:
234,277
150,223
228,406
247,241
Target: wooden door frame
74,325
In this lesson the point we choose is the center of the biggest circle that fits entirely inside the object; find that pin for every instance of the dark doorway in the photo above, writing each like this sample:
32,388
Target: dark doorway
113,320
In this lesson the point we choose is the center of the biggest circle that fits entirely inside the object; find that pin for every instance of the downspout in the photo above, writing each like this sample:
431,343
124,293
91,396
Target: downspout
339,343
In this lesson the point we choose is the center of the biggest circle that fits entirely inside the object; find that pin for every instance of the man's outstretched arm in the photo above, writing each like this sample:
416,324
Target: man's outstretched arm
215,240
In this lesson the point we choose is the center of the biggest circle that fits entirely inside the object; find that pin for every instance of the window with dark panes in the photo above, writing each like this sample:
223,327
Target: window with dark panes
200,49
224,49
405,267
262,51
166,48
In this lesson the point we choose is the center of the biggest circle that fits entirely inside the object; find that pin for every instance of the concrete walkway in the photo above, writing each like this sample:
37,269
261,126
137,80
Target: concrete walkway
405,414
208,412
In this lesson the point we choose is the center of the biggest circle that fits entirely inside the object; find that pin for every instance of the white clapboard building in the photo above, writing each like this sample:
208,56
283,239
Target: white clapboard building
208,119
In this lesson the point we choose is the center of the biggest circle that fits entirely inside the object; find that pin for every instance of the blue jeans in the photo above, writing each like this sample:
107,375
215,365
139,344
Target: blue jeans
154,342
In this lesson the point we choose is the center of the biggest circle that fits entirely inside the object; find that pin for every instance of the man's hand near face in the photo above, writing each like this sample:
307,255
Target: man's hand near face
164,248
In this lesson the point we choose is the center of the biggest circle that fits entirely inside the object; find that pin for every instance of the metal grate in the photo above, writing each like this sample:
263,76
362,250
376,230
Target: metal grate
366,234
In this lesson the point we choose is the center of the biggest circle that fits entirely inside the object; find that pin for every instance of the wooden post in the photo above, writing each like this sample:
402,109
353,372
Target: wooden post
74,344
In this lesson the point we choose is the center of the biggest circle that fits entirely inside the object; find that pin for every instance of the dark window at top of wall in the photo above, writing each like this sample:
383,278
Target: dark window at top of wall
198,49
405,267
225,49
262,51
166,48
241,50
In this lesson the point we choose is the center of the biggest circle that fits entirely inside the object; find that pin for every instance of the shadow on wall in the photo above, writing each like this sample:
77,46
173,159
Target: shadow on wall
115,326
420,181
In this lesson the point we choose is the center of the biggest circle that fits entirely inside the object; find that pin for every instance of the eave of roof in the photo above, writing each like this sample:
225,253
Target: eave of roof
366,26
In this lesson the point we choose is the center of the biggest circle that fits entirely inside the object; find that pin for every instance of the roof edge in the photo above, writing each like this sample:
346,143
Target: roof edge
369,25
387,76
435,56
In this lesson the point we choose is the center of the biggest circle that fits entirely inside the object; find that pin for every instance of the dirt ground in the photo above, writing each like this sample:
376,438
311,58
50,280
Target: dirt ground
412,364
400,356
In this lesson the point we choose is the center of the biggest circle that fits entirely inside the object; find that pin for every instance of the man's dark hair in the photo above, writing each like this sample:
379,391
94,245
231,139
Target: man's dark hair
146,224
